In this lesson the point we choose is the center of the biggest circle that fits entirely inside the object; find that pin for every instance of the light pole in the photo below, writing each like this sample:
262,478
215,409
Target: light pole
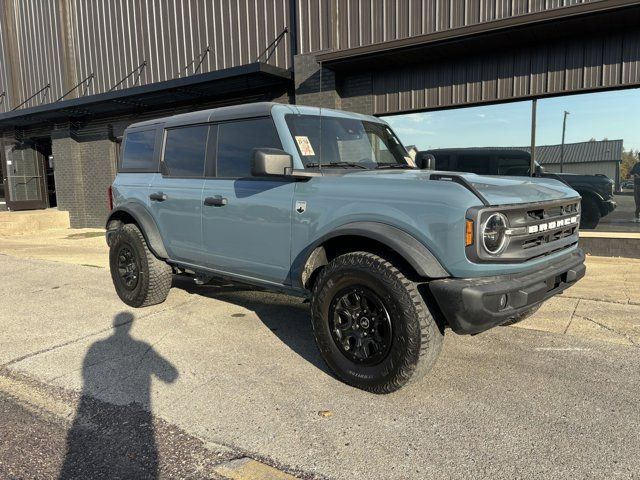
564,129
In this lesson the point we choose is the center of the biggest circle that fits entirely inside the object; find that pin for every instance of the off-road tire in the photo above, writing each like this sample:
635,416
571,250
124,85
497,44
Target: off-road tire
589,213
522,316
416,337
154,275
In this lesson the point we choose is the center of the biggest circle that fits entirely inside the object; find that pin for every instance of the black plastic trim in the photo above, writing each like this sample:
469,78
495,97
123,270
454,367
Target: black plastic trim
414,252
471,305
460,180
147,225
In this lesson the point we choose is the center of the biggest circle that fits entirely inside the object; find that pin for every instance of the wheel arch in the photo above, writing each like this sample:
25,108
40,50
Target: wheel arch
140,216
372,237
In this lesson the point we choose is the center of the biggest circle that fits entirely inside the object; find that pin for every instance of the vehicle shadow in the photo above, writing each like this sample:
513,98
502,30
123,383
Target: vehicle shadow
287,317
114,437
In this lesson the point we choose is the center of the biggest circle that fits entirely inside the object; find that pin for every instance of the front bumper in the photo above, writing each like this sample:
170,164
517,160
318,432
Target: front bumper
472,305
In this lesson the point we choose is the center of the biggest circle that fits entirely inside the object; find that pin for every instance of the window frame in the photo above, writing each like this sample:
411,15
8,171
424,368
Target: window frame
164,169
155,164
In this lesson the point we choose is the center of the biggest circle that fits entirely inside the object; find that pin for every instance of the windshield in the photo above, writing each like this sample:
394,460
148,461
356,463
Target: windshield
346,142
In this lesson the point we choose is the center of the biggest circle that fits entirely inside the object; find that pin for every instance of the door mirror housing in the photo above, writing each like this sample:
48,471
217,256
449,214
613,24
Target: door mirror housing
425,161
271,162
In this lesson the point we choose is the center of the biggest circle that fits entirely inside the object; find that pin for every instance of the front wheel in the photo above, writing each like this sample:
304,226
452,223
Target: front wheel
139,277
371,324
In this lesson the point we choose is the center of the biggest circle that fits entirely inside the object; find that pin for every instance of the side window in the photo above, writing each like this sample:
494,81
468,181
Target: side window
442,162
479,164
236,141
137,154
185,150
513,166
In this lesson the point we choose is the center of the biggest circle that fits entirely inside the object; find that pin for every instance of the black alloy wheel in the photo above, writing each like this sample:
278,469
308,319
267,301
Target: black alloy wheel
371,323
360,325
128,267
139,277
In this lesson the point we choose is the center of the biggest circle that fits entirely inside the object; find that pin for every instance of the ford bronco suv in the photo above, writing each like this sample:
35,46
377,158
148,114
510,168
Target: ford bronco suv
327,205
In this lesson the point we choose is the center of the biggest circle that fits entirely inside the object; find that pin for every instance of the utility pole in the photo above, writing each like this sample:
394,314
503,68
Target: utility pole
564,129
532,166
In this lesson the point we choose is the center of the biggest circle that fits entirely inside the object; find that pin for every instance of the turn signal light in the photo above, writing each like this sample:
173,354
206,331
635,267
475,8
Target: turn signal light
469,233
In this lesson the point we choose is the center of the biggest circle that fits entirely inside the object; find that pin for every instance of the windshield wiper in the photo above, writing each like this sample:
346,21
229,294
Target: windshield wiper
396,165
336,164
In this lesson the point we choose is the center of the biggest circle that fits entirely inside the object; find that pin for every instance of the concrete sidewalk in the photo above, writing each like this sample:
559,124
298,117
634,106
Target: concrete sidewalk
604,305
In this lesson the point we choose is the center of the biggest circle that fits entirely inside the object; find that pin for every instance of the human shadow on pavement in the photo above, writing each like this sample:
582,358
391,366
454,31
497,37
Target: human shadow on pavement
287,317
112,435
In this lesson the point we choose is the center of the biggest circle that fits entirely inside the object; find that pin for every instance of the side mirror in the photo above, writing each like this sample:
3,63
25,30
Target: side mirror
271,162
425,161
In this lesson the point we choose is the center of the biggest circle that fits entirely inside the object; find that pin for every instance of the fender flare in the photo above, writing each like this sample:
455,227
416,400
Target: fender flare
147,225
407,246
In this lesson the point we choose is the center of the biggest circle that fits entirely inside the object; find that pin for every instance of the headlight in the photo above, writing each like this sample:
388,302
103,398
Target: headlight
494,236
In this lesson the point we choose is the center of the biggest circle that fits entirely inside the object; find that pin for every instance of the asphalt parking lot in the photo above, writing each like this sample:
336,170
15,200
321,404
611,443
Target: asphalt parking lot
238,371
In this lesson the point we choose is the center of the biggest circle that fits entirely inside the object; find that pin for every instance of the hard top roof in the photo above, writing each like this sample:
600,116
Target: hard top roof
248,110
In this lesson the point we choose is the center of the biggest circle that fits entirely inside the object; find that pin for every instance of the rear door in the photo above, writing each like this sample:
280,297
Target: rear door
246,221
175,195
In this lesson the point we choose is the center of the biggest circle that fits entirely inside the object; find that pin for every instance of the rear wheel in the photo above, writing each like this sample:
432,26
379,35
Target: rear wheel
371,324
139,277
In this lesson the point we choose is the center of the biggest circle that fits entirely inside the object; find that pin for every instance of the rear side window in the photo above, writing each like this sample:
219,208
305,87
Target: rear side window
137,154
479,164
236,141
513,166
185,150
442,161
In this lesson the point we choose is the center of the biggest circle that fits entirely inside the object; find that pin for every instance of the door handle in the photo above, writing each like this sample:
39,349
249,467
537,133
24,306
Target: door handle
158,197
215,201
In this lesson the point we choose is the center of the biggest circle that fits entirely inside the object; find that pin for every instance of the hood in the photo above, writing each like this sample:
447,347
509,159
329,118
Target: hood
512,190
578,177
495,190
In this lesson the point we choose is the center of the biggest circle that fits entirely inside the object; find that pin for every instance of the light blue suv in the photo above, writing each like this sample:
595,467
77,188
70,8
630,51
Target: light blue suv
327,205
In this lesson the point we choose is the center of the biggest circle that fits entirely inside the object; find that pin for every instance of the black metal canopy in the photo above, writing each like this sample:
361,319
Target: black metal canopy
582,20
241,82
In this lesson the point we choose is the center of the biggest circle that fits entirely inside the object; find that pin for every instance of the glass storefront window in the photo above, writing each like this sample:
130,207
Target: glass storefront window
600,147
589,141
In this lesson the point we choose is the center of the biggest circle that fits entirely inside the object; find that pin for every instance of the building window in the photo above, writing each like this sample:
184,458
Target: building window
185,151
236,142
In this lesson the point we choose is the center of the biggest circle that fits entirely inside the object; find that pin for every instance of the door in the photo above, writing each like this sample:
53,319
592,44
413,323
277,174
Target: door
175,195
24,177
246,221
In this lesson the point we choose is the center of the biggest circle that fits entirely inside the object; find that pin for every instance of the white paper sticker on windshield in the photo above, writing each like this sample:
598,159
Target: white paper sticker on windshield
305,146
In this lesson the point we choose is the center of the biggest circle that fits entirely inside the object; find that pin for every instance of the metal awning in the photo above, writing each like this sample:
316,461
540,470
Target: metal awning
243,82
535,28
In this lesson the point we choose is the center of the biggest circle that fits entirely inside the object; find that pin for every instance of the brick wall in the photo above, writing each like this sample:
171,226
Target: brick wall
356,91
307,83
352,92
83,171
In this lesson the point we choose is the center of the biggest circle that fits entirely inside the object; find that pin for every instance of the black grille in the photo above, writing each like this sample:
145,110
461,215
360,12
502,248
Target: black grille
534,230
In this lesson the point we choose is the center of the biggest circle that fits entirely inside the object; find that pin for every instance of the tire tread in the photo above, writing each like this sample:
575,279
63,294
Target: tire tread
429,335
